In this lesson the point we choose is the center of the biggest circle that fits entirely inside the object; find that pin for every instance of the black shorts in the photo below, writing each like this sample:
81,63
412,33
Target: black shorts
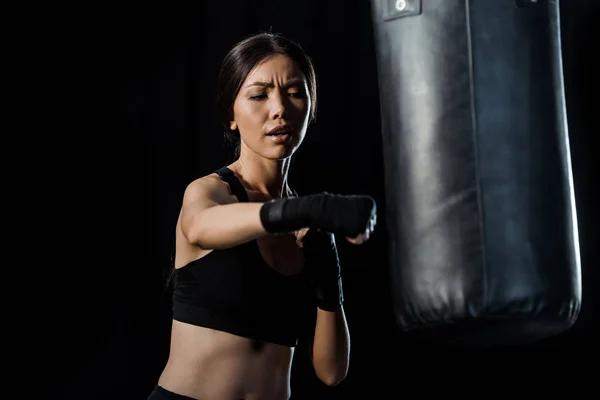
160,393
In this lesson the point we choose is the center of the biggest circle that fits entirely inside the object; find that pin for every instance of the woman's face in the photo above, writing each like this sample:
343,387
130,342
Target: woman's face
274,95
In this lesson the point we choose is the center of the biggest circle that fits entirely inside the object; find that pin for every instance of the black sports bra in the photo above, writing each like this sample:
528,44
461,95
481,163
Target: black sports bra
236,291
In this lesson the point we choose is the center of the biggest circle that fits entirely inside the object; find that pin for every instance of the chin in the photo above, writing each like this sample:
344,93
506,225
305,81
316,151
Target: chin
280,153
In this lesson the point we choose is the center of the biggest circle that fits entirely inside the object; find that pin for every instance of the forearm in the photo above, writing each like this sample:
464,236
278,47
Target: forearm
226,226
331,346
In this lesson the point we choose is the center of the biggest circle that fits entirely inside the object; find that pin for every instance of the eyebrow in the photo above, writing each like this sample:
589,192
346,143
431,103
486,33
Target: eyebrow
293,82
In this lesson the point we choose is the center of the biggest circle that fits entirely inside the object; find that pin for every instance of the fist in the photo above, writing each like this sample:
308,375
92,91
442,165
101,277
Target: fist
363,237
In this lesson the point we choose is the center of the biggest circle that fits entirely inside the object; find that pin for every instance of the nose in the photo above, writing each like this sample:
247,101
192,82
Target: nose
278,107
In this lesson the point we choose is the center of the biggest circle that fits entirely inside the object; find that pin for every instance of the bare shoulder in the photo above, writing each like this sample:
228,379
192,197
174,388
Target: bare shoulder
208,189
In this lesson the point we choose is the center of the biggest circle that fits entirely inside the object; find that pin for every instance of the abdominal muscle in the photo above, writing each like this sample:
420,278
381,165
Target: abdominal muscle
213,365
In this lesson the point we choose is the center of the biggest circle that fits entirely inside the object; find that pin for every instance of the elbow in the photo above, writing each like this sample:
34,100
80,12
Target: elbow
332,378
195,234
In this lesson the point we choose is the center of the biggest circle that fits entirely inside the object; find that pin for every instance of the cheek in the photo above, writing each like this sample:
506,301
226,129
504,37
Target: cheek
247,115
302,107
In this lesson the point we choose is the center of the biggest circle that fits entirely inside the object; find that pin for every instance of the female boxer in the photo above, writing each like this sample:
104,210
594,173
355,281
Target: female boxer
256,266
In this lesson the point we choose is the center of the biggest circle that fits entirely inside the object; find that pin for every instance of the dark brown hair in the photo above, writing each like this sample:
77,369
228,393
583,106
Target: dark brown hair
238,63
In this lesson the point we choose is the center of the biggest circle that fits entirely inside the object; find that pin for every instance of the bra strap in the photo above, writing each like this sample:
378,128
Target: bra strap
234,183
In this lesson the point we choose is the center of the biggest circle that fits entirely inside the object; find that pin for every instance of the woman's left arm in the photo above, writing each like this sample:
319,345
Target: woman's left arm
330,344
329,347
330,350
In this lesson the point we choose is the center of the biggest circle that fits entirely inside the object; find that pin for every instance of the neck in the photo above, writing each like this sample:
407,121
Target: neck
268,177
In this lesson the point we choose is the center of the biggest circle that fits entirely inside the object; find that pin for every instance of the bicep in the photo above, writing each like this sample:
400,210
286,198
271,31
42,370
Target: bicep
199,196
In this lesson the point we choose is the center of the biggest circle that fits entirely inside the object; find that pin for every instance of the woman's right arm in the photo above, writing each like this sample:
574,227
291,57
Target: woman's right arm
212,219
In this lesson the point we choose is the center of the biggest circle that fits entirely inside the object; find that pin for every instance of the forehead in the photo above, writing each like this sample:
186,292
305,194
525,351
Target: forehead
279,67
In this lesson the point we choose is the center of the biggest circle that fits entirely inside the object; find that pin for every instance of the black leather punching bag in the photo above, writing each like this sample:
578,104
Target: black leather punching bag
480,197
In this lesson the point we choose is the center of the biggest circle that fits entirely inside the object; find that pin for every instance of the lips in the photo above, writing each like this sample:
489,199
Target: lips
280,130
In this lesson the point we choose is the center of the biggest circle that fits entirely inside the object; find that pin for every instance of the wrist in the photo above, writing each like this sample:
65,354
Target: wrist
330,296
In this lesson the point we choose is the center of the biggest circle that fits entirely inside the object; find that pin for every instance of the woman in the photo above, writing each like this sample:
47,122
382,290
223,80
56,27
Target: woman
256,267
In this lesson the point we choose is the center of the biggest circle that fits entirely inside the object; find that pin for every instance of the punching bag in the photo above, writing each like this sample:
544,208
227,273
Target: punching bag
480,201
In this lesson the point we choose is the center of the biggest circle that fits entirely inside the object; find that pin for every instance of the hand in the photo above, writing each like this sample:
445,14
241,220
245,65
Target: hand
360,239
363,237
345,215
300,235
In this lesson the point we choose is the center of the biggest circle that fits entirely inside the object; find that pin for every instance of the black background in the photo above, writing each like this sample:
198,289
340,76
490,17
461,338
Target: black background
115,115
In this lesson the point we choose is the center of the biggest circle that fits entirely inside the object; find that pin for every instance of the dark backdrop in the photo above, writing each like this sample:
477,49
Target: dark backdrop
121,117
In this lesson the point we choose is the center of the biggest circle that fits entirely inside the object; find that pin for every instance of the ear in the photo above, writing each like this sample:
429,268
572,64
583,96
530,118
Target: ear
233,125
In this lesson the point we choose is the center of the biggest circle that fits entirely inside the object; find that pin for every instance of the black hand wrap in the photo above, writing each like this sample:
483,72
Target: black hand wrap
345,215
322,264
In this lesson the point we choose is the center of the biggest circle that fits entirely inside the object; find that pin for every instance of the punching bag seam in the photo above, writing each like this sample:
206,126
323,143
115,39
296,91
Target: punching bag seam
474,130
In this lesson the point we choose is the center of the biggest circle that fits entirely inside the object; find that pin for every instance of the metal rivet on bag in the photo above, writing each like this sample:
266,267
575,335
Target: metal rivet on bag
401,5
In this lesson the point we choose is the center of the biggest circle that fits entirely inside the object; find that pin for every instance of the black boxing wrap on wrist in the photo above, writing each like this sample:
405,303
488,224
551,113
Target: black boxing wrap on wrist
330,299
323,266
271,217
345,215
284,215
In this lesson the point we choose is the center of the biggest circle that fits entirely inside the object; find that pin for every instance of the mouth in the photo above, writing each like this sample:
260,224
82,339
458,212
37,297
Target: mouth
280,130
280,134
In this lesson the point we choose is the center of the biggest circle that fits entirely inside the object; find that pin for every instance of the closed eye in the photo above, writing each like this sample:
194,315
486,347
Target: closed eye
296,95
259,97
